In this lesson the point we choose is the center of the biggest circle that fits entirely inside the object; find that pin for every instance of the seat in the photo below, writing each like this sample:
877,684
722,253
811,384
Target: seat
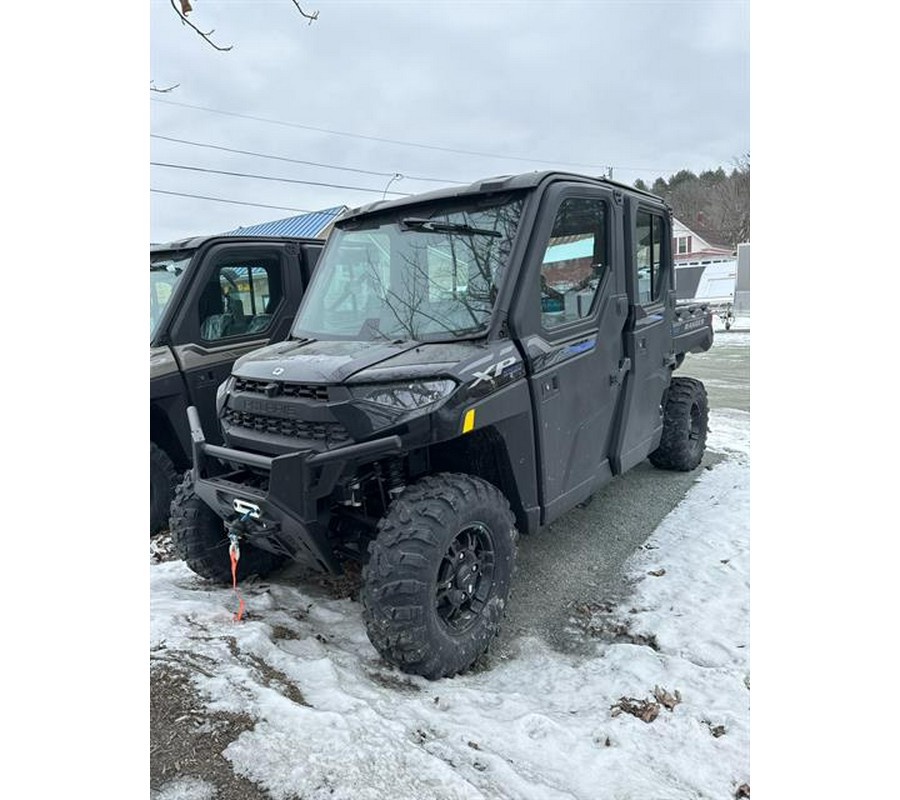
259,323
232,323
213,327
262,321
235,321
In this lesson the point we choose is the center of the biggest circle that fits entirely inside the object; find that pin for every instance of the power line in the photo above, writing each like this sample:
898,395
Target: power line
273,178
233,202
378,138
659,171
299,161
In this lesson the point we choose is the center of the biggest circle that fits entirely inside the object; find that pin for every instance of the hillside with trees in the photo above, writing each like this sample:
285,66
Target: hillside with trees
714,204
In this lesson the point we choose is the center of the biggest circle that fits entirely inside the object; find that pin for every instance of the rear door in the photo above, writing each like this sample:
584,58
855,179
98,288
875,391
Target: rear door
244,296
573,354
648,334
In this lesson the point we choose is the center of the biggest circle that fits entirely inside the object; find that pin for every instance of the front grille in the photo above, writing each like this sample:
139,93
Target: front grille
331,433
306,390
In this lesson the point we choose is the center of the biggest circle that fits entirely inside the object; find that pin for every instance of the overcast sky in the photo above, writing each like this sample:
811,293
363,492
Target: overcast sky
645,87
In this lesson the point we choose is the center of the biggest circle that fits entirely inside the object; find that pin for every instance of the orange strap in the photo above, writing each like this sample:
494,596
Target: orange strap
234,553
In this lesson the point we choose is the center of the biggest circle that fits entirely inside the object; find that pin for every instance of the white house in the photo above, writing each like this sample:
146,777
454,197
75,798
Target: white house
689,247
704,270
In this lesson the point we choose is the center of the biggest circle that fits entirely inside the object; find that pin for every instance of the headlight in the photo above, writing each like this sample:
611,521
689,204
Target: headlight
222,393
404,396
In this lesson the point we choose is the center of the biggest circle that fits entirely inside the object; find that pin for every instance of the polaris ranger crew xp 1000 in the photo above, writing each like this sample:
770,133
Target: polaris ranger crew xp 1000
465,364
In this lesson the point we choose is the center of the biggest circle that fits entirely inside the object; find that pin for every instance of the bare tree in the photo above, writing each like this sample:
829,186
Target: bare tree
184,7
715,205
733,200
692,199
155,88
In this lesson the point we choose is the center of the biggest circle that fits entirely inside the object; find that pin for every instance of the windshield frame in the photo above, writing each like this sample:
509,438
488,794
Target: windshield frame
395,219
185,257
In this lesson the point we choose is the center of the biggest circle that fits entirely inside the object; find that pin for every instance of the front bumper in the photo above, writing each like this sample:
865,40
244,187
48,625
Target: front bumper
281,493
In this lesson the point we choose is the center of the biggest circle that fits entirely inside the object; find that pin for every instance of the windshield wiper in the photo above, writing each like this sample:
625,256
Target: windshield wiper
439,226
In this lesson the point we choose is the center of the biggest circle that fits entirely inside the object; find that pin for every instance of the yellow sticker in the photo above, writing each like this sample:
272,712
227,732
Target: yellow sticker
469,420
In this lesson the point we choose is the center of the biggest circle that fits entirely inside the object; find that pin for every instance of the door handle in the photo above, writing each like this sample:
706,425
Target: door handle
619,375
549,386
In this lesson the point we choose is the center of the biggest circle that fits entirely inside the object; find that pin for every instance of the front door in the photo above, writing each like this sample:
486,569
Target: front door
240,303
574,358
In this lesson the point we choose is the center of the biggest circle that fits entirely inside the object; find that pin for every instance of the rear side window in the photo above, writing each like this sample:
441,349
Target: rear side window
574,262
648,254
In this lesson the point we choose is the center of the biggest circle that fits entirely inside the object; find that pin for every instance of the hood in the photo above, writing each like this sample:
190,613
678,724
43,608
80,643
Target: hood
333,362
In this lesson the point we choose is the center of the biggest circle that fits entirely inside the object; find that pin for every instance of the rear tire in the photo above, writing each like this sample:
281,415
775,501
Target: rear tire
201,540
438,577
685,423
163,479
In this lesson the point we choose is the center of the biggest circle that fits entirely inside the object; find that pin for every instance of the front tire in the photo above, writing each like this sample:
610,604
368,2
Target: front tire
163,480
438,577
685,424
201,540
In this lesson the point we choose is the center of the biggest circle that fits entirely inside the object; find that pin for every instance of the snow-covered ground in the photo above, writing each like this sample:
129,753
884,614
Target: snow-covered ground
331,720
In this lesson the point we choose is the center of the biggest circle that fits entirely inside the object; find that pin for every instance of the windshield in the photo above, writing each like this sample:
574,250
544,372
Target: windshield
165,271
415,276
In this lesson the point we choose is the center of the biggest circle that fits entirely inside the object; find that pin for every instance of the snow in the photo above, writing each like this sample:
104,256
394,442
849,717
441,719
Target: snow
332,720
186,789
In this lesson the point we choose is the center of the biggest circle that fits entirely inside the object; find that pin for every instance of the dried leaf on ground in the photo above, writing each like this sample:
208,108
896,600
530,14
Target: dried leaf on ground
666,698
657,573
742,791
598,621
645,710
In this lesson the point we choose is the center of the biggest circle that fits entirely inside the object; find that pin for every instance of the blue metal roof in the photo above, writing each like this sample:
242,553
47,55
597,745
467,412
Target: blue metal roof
311,225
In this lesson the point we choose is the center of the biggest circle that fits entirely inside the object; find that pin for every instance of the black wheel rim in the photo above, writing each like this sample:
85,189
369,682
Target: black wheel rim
465,578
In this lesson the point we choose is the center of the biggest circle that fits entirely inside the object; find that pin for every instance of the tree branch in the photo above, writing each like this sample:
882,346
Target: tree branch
311,17
153,87
185,7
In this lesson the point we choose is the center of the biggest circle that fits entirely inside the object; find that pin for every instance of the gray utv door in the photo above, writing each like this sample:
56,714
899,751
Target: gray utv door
648,335
573,361
245,297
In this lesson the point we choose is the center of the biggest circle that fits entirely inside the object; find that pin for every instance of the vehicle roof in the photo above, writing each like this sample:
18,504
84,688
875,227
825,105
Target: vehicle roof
193,242
500,183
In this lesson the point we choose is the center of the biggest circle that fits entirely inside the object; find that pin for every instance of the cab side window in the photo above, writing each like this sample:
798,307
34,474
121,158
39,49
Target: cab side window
574,262
240,298
648,254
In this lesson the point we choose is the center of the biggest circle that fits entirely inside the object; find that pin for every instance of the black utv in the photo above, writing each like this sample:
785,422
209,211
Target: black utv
465,365
212,299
